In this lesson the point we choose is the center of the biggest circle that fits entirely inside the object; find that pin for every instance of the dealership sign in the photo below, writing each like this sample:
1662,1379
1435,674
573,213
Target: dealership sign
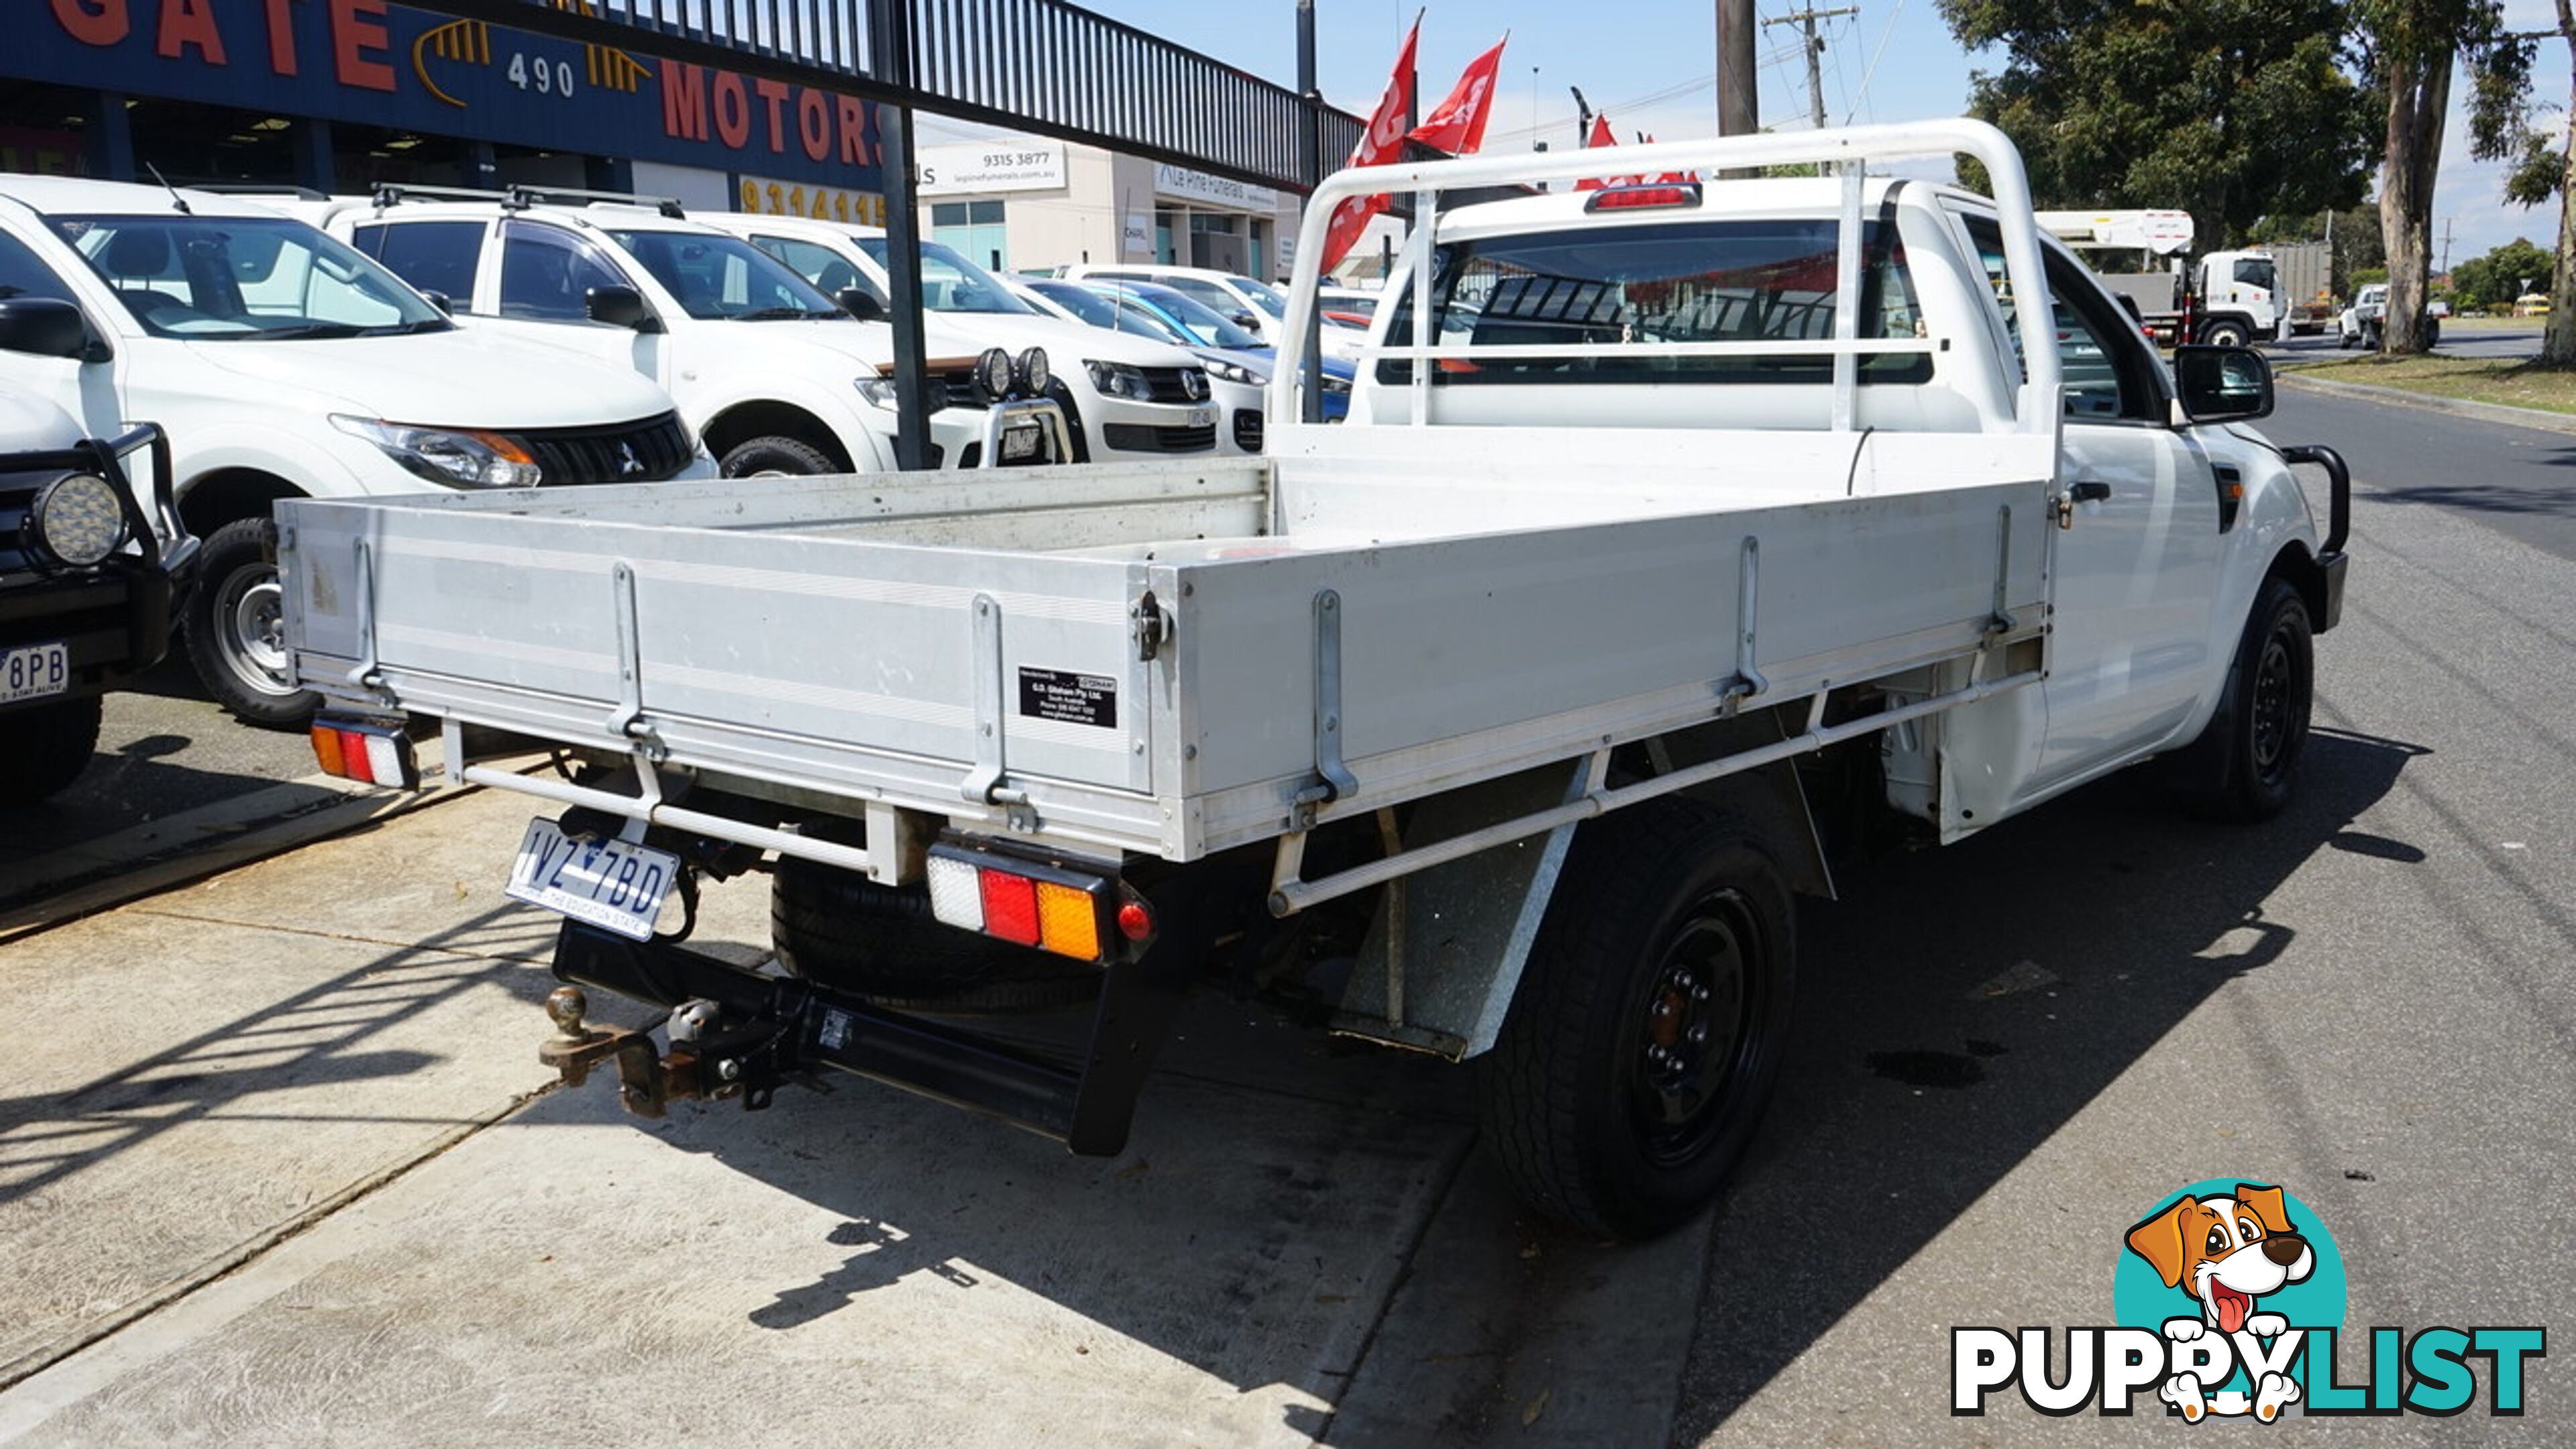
980,168
375,63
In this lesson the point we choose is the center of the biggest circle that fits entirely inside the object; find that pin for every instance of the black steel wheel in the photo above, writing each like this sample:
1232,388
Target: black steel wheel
839,929
2248,764
235,627
44,747
1646,1035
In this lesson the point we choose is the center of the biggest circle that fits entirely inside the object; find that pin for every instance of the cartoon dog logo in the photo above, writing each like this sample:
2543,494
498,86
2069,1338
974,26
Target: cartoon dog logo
2226,1252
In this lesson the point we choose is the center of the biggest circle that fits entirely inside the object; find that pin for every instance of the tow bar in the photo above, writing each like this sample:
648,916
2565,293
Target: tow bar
735,1033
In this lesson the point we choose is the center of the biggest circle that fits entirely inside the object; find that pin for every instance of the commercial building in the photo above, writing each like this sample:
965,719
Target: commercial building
340,95
1023,203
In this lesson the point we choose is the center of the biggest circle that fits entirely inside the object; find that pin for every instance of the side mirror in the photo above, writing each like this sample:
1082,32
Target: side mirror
44,327
861,303
441,301
2223,383
1247,321
617,306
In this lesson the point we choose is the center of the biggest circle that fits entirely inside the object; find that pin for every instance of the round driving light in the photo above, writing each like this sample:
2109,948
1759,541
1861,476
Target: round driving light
1033,373
993,374
78,519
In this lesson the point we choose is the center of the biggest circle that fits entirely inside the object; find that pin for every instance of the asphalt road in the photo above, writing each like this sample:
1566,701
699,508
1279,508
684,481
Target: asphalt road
2012,1049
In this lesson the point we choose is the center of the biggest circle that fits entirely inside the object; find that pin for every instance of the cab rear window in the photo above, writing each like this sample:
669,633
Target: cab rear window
1595,290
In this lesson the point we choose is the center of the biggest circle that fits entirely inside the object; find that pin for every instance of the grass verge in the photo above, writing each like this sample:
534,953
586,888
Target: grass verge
2512,383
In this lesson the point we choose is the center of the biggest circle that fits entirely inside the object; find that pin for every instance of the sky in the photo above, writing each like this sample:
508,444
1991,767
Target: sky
1650,65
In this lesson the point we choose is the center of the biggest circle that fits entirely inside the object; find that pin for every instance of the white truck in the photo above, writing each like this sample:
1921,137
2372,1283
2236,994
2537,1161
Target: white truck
2225,299
1727,529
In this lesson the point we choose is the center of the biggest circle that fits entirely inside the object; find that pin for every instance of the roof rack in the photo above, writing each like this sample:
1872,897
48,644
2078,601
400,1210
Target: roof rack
522,194
394,193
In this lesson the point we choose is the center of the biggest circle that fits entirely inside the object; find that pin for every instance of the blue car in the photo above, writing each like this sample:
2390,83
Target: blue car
1151,310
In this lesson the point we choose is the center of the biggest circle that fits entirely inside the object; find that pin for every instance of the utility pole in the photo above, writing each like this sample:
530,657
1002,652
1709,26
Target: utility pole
1815,54
2446,243
1739,109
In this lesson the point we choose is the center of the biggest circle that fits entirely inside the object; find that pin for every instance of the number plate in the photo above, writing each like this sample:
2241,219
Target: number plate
35,671
613,884
1202,418
1021,442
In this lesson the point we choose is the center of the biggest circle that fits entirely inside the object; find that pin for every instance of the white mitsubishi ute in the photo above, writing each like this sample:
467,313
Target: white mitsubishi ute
282,364
1128,397
775,375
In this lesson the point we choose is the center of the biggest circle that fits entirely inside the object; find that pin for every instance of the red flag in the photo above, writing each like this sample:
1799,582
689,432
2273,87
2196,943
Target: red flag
1457,125
1381,143
1601,136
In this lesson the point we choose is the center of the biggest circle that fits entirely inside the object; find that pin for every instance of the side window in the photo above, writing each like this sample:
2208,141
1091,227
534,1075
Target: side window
2108,371
547,276
1224,302
827,269
24,274
434,256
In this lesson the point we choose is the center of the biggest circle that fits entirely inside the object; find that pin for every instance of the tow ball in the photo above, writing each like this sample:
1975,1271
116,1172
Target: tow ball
646,1081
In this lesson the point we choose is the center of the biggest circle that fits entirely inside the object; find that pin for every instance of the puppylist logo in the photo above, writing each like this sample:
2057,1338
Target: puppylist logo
2230,1302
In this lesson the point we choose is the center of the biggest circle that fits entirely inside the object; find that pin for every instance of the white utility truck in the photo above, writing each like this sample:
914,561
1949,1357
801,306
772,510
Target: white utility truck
2225,299
1727,528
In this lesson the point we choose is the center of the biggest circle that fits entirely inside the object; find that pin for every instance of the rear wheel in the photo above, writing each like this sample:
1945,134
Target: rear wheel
775,457
839,929
1647,1032
236,627
46,746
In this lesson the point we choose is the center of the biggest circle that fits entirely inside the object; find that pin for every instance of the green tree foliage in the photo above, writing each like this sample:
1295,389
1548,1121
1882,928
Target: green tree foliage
2496,279
2229,109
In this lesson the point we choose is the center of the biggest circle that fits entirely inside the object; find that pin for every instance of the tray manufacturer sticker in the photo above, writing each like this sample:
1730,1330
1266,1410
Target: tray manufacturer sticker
1083,699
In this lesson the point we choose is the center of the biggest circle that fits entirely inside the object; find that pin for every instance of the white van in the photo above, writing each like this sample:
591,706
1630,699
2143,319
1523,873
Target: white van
1130,398
773,374
282,364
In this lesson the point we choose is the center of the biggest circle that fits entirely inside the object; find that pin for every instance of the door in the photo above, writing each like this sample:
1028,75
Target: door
86,390
2133,576
543,283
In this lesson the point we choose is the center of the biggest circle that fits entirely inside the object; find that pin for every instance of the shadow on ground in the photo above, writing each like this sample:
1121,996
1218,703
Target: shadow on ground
1960,1006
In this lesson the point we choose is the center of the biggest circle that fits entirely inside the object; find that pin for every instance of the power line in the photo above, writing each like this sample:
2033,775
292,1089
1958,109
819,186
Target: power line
1871,73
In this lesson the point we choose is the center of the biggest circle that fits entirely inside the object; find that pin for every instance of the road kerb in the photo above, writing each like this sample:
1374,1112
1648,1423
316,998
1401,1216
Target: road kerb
2462,407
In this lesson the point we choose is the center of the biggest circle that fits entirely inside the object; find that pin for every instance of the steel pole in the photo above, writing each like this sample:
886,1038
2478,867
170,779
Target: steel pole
1310,156
890,44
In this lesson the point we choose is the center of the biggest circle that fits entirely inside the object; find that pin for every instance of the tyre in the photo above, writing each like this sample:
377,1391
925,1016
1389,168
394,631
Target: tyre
2224,334
2248,763
1647,1030
45,747
776,457
838,929
234,627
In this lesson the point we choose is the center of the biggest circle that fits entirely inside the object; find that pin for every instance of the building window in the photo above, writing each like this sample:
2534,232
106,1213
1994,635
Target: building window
45,129
975,229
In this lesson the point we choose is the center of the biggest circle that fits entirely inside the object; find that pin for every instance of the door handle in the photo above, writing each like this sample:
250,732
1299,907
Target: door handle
2089,490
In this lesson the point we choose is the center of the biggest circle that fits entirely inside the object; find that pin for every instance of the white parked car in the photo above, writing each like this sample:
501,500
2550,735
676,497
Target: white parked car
1127,397
1249,303
775,376
282,364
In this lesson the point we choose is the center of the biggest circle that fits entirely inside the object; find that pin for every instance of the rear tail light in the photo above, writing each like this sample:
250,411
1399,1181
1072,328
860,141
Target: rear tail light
371,752
1067,912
